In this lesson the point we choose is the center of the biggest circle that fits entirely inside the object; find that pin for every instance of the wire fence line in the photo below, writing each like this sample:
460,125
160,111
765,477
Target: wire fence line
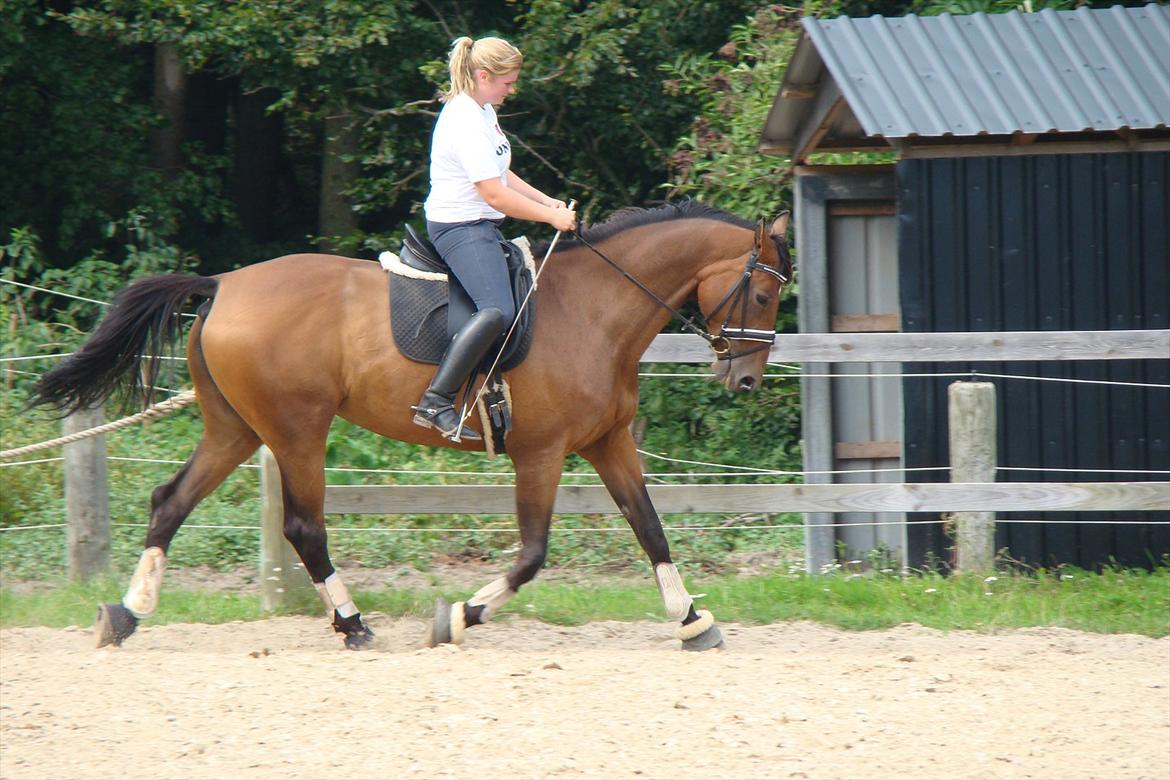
58,355
795,369
64,294
617,529
807,375
54,292
592,475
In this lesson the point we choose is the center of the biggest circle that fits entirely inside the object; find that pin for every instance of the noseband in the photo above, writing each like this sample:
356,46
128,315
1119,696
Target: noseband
737,295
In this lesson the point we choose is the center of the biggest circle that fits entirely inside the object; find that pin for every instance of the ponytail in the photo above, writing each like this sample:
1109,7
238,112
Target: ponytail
495,55
459,65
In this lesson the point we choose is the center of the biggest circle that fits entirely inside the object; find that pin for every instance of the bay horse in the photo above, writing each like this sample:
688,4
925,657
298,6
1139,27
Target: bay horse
281,347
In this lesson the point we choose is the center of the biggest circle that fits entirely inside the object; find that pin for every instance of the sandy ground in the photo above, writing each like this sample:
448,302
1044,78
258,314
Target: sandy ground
280,699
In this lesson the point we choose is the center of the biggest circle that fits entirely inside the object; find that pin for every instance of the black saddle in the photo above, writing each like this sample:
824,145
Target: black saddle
426,313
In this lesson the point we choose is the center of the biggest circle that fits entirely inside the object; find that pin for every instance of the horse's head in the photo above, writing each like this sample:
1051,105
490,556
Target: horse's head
739,299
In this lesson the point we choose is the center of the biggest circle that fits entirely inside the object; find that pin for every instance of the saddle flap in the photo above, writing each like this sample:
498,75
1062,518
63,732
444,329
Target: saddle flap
420,253
428,306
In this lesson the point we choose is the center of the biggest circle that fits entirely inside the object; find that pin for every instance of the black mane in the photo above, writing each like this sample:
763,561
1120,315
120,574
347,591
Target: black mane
633,216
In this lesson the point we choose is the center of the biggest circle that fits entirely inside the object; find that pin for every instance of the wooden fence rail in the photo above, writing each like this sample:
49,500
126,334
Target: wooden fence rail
934,347
768,499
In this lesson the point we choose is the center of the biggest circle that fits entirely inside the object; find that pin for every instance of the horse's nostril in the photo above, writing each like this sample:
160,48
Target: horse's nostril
747,383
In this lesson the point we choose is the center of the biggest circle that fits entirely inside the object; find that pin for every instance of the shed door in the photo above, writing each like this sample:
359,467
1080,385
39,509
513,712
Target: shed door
866,411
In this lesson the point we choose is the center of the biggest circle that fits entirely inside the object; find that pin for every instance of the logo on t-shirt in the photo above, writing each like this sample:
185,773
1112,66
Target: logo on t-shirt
503,148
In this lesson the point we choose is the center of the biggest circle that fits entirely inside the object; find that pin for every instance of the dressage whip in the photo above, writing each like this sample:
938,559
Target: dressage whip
523,304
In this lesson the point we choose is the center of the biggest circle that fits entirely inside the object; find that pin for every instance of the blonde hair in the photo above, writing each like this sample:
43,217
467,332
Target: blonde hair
495,55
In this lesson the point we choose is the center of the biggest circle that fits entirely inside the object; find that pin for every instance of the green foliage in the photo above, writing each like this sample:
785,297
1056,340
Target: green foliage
314,51
935,7
718,158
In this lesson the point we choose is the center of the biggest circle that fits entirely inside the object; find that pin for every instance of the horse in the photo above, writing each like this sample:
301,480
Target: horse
280,347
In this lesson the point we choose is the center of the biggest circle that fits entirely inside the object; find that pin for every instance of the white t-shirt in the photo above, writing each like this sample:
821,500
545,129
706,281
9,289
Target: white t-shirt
468,146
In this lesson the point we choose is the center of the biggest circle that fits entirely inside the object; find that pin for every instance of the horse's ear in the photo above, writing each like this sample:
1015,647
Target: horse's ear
761,233
780,226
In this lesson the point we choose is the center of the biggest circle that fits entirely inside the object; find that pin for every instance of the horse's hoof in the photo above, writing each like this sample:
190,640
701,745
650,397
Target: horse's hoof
701,634
441,624
113,624
710,639
362,640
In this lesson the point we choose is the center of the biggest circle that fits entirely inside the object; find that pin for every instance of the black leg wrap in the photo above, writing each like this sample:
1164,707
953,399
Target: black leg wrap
113,624
357,634
473,616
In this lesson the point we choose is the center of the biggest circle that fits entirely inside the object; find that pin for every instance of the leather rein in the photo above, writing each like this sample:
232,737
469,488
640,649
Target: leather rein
737,295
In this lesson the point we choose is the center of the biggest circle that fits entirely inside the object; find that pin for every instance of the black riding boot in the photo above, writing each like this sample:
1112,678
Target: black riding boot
436,408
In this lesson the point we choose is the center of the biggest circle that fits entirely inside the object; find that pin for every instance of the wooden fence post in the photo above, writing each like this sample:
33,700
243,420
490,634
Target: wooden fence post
972,420
87,499
281,573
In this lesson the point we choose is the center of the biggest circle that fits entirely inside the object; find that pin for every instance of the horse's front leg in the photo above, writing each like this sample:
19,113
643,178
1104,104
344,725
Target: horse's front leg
536,490
616,459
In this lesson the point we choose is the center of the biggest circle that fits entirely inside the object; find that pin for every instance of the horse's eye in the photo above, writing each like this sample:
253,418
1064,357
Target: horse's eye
762,299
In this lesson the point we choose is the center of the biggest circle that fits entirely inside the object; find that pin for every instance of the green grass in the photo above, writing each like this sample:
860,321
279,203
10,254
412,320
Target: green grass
1114,601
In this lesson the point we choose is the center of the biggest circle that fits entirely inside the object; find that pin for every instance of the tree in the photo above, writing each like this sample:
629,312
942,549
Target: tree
718,160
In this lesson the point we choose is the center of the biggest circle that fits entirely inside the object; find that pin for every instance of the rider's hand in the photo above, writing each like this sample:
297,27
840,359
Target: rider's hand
564,219
553,203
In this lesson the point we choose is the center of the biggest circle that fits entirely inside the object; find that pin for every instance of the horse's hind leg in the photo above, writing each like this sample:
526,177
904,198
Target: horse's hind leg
227,441
300,454
616,459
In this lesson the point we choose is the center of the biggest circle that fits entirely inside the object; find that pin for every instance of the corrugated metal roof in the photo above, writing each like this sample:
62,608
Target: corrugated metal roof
1052,71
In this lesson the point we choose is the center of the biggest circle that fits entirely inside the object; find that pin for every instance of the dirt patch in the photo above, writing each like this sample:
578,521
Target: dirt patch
279,698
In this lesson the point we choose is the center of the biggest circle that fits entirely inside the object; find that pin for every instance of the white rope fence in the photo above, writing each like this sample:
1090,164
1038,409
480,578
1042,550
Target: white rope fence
161,409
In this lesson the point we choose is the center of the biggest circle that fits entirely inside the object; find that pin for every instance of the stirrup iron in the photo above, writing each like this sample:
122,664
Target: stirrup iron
428,417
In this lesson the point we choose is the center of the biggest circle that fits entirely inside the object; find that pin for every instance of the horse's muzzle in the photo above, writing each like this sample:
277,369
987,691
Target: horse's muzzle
735,378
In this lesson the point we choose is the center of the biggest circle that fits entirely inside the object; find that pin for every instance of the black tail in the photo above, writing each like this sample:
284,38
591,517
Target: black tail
125,351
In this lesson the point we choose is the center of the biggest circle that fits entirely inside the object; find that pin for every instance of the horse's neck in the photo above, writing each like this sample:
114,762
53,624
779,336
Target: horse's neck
668,259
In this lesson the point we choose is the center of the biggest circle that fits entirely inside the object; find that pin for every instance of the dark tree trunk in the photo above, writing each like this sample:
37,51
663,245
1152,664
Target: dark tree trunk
339,171
208,98
258,140
170,86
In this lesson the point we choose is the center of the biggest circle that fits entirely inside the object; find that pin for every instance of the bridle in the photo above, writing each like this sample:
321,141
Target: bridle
736,296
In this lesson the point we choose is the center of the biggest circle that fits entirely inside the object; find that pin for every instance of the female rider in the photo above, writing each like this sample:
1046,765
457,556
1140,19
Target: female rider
472,190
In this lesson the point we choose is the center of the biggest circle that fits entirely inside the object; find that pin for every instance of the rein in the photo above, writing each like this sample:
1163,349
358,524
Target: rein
721,344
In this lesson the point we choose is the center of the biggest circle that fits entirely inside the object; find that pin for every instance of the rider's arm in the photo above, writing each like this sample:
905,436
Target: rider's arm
530,192
517,206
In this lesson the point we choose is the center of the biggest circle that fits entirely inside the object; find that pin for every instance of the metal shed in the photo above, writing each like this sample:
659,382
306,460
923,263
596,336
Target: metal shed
1031,192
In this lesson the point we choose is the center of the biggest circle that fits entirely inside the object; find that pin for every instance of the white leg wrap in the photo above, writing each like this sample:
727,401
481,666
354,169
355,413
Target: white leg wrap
142,596
339,595
326,602
674,593
491,597
692,630
458,624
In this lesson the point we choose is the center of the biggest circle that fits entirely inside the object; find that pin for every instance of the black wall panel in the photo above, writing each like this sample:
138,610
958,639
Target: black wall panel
1044,242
